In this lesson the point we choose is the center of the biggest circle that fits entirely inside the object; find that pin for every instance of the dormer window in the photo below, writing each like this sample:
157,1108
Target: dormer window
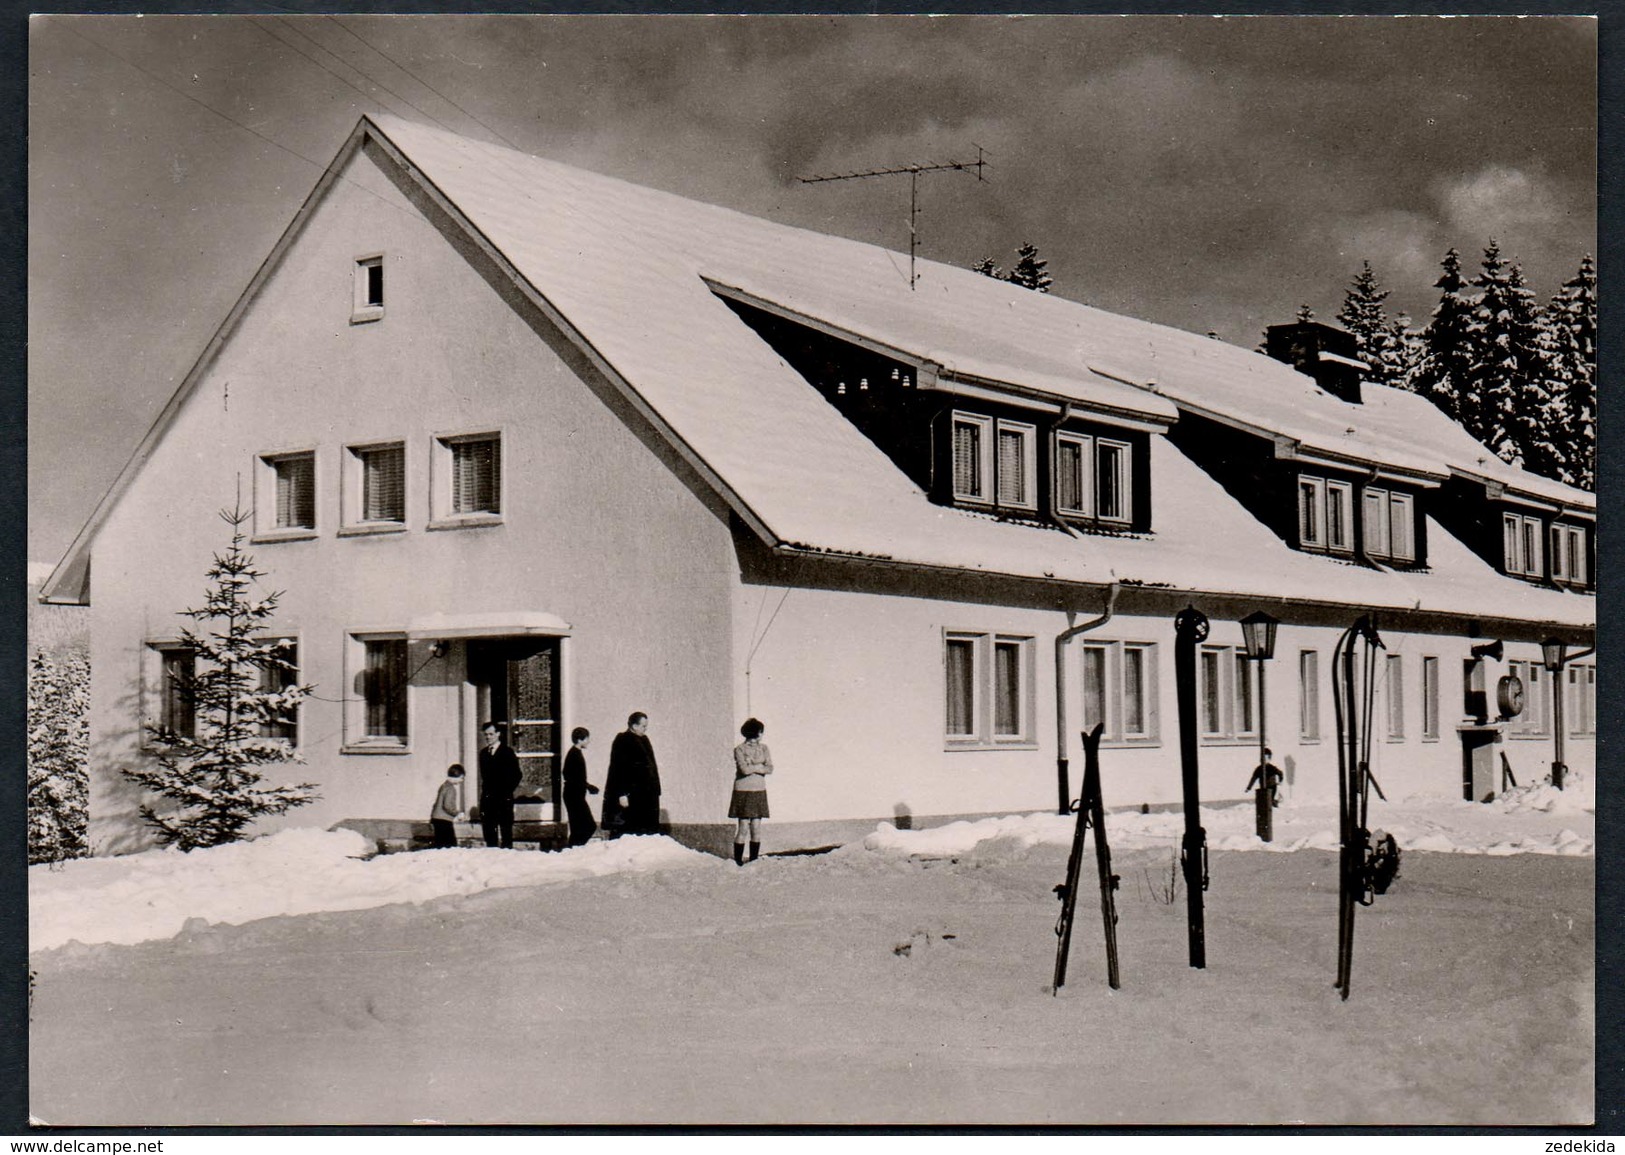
1521,545
994,462
1389,525
368,289
1092,478
1325,515
1569,561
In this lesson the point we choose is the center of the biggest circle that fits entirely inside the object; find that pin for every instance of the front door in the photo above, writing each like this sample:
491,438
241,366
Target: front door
517,685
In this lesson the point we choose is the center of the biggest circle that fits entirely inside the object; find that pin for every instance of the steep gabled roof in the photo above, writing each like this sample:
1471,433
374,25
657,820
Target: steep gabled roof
636,277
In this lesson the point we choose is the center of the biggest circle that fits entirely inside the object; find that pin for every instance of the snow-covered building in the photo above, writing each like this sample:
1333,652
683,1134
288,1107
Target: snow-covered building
531,444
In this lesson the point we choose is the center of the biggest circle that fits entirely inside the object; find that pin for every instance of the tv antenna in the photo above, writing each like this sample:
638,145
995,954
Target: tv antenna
913,172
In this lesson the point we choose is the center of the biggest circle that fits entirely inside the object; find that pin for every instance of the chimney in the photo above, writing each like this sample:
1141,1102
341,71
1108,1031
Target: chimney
1326,353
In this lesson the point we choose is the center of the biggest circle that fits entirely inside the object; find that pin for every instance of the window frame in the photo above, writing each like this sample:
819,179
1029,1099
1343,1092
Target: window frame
984,646
1085,444
1566,542
358,703
442,472
267,476
353,487
1393,679
1580,707
1516,539
157,654
1430,697
365,306
983,467
1124,483
1114,665
1380,541
1227,662
1309,696
1317,497
1027,433
1535,722
288,678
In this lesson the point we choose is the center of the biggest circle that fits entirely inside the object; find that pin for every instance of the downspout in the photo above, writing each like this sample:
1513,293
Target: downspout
1061,639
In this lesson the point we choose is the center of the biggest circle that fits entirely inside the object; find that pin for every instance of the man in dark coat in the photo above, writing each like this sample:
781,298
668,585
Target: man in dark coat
499,778
632,783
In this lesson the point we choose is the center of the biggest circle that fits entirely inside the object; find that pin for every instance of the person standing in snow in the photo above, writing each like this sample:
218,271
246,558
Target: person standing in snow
448,808
499,778
752,765
632,782
576,788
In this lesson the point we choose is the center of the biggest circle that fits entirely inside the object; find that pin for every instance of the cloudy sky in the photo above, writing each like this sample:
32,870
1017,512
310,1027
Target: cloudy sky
1206,173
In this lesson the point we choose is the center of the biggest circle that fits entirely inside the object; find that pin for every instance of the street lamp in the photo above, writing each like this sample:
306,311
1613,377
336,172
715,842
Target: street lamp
1258,634
1553,653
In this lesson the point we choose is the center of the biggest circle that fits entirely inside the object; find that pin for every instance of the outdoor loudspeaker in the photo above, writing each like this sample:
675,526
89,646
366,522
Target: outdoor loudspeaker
1489,650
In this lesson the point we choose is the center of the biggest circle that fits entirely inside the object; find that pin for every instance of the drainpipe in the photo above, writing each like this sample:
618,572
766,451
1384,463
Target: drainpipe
1559,767
1061,639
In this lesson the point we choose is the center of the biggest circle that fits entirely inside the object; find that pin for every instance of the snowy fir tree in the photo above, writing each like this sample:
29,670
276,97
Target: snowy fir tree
1505,368
1442,375
58,748
1569,342
210,779
1305,313
1378,343
988,268
1030,270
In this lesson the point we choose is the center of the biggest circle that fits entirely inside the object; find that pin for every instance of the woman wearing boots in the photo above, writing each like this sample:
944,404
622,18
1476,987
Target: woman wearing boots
752,764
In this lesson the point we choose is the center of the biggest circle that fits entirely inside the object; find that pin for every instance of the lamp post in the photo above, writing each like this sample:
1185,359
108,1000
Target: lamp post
1258,633
1553,653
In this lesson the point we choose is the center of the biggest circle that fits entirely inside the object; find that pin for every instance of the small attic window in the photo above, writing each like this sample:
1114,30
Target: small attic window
368,304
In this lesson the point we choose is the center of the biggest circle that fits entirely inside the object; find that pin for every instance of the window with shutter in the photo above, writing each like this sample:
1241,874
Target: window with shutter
293,501
384,686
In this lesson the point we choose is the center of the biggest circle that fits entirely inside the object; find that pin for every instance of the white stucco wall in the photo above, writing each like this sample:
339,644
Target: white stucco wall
596,529
851,687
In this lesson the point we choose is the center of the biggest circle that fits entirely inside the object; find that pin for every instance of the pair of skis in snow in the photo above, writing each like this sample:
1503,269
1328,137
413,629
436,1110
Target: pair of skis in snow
1367,862
1091,812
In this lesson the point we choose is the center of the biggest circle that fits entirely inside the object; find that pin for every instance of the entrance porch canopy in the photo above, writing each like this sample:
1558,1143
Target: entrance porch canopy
490,624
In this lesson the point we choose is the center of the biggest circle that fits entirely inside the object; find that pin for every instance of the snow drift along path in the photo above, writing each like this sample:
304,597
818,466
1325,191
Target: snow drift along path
142,897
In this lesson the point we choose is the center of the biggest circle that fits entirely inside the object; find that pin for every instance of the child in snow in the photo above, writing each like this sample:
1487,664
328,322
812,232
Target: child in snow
752,764
576,788
448,808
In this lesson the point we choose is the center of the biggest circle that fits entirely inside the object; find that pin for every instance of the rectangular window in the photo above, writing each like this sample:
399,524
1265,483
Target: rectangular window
284,725
1534,720
1389,524
173,710
1580,708
1018,467
1227,693
1074,474
289,500
973,479
1311,497
383,483
384,688
1120,690
1395,672
467,483
1430,698
1339,516
368,293
961,669
987,689
1569,555
1112,497
1309,695
1522,545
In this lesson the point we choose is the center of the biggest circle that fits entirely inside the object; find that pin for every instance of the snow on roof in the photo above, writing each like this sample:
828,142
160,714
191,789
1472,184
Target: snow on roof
629,268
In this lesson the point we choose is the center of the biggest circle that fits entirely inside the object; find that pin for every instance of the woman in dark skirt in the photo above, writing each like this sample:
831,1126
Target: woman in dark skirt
576,789
752,765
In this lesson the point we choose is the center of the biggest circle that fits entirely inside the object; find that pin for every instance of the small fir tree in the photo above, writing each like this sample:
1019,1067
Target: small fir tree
58,747
1030,271
1305,313
211,777
988,268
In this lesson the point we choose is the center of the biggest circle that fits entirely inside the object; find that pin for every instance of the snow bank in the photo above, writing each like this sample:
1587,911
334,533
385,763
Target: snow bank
151,896
139,897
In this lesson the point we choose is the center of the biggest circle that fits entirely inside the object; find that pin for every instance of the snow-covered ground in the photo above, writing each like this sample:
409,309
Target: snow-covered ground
904,978
153,895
